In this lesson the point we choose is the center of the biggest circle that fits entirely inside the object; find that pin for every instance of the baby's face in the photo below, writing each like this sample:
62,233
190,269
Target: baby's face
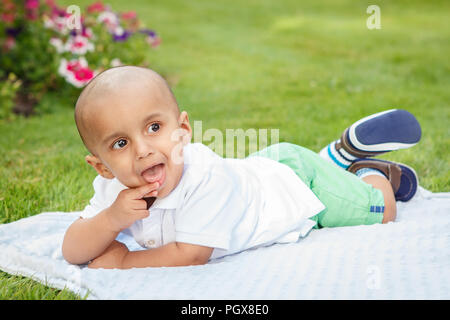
138,137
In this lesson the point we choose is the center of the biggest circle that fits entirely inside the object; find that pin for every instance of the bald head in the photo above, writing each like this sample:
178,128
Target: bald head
111,82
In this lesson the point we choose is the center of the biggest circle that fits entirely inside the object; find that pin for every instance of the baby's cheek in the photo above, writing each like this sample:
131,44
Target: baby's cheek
173,178
176,155
130,181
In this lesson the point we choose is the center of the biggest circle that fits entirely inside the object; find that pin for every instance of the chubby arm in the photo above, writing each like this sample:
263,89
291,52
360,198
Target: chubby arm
86,239
169,255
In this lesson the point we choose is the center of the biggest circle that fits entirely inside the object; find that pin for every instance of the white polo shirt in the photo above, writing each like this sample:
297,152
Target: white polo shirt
228,204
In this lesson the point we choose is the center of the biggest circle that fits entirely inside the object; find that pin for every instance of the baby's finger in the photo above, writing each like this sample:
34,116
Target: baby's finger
150,194
144,214
140,192
139,204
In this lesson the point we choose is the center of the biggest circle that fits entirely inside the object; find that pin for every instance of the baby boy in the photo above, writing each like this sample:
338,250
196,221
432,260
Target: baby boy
186,205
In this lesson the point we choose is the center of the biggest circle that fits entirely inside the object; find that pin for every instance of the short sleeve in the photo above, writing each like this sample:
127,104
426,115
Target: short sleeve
211,212
105,192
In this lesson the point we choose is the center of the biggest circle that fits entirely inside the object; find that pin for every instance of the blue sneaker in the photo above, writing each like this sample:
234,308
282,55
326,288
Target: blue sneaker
403,179
379,133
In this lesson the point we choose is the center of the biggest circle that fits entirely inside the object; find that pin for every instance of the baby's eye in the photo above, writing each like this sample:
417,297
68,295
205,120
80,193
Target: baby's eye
154,127
119,144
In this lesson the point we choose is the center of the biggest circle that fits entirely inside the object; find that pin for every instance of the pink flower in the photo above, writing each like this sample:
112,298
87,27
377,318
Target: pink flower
79,45
9,43
84,74
108,18
76,72
8,5
32,15
8,17
50,3
87,33
57,23
154,41
32,4
96,7
129,15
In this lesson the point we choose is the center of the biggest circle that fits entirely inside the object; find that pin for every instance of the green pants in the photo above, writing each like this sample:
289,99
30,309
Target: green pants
349,201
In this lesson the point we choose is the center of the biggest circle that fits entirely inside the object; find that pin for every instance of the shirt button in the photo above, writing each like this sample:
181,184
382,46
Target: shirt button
149,243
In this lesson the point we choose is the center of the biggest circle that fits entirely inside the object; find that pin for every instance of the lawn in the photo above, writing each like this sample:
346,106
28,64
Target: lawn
308,68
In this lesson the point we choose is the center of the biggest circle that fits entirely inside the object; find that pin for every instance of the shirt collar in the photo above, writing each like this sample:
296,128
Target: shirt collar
171,201
168,202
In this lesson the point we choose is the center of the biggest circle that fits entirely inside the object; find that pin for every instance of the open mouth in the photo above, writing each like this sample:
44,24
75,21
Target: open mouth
155,173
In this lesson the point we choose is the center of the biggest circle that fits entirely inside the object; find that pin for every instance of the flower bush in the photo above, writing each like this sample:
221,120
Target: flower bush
51,48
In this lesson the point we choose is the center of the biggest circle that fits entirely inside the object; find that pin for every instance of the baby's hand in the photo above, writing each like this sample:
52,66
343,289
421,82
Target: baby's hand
111,258
130,206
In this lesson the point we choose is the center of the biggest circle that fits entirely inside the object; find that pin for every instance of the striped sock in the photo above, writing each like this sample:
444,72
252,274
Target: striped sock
364,172
340,157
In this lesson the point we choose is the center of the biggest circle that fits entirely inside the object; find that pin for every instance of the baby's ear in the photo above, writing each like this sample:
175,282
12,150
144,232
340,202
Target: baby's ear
98,165
183,122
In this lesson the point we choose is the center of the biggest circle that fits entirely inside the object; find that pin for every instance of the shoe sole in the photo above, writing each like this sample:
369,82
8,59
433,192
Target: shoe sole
385,131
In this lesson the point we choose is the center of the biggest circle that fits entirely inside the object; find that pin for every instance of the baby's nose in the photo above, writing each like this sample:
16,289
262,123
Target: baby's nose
143,149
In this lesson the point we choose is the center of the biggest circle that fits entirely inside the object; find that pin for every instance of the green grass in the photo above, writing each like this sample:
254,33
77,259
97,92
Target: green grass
308,69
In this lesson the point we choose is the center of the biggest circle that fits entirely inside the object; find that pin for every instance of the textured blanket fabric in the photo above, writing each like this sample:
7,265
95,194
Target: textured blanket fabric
407,259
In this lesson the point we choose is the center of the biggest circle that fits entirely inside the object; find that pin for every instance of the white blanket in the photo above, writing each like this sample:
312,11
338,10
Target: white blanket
407,259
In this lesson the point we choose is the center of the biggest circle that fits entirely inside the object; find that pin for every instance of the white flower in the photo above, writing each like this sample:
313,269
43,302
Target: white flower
62,69
58,44
48,23
79,45
89,34
116,62
60,25
118,31
109,18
